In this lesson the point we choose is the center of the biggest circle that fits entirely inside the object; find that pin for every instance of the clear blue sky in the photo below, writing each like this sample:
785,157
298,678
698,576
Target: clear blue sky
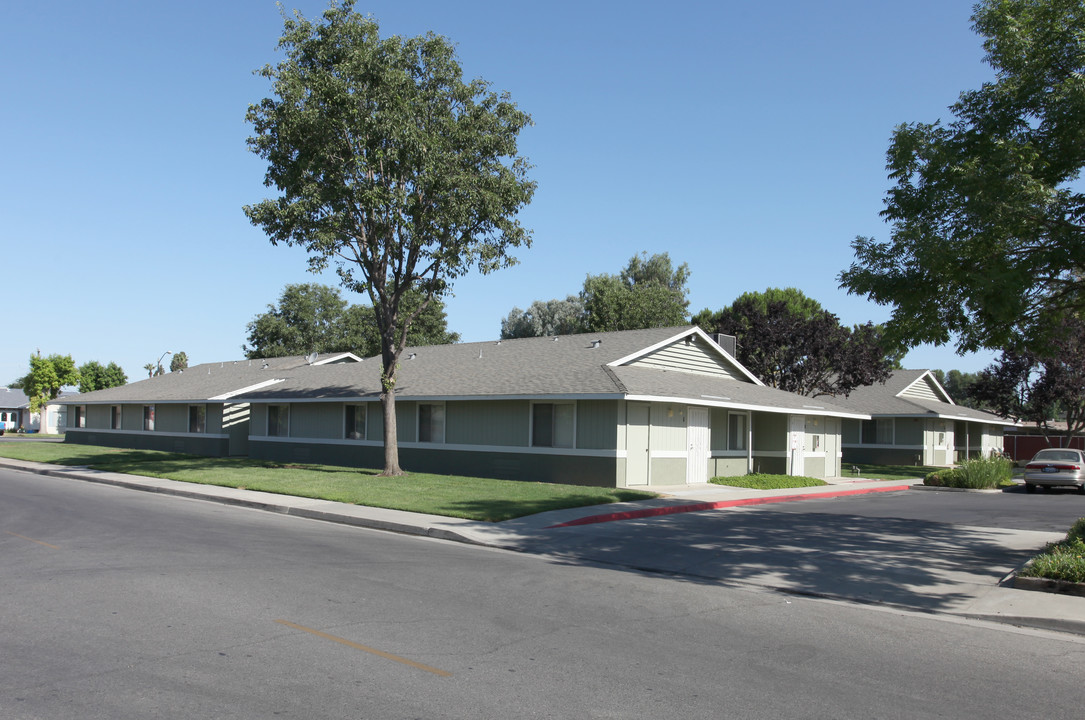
746,139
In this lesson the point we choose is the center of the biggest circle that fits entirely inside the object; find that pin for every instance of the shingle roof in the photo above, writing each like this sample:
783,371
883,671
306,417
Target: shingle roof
880,400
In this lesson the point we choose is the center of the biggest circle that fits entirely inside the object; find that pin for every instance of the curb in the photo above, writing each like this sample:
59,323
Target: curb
716,505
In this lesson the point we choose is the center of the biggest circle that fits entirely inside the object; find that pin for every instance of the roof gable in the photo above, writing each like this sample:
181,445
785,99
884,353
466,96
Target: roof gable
926,387
691,351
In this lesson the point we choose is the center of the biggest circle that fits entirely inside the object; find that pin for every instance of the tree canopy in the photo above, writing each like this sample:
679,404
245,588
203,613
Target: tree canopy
649,292
179,361
988,220
311,317
789,342
95,376
1040,386
390,166
47,376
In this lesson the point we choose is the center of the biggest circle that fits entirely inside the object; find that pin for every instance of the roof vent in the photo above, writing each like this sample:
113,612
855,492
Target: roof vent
412,356
596,343
729,343
265,366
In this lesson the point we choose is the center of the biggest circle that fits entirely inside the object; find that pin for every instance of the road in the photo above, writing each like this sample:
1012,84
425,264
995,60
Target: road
120,604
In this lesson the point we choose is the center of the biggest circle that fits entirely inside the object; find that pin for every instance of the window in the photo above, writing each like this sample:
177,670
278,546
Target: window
736,431
355,422
197,418
877,432
80,416
115,417
148,417
552,424
431,423
278,420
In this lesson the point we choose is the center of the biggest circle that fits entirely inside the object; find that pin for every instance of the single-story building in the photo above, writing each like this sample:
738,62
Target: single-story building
190,411
914,421
15,412
635,408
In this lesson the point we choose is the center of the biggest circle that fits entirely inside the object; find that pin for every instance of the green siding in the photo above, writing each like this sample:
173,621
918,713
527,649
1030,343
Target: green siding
502,422
374,423
668,430
316,420
908,431
769,431
407,421
727,467
171,418
597,424
668,471
98,416
694,358
851,431
214,418
258,420
718,424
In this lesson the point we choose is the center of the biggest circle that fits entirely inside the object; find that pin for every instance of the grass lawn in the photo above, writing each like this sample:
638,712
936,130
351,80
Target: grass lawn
888,472
765,481
450,495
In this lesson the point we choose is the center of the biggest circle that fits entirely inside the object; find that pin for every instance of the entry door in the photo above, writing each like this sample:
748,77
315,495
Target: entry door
697,435
797,444
636,445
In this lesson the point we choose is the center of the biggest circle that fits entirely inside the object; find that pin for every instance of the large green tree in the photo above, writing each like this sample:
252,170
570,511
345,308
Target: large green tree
95,376
790,342
544,318
988,220
311,317
46,378
390,166
649,292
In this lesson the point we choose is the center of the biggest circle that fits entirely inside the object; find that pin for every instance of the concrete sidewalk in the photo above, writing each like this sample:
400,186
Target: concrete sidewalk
972,597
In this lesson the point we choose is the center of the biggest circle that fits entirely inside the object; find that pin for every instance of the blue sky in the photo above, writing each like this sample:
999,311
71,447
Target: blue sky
746,139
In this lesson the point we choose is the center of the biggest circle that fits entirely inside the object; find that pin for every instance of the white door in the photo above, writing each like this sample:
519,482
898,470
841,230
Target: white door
697,434
636,445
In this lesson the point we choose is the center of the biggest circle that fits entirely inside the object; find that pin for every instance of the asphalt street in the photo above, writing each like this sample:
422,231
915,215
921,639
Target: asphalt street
122,604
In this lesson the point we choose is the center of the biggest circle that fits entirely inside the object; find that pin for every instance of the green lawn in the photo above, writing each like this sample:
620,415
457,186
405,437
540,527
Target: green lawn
450,495
765,481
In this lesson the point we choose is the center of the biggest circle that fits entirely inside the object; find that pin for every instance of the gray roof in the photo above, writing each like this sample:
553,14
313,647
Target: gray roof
566,366
883,400
13,398
201,383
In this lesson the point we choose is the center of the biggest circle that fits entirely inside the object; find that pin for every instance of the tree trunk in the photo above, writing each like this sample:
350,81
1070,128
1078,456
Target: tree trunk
389,358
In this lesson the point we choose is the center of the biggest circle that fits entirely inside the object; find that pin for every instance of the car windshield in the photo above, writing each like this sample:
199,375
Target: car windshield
1049,455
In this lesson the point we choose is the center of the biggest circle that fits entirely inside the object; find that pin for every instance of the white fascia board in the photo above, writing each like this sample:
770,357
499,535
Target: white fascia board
337,358
711,402
251,388
933,415
710,343
440,398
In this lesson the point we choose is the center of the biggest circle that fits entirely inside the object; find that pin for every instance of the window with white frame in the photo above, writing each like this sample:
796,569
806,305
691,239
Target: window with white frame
736,431
552,424
431,423
148,417
197,418
354,422
278,420
115,417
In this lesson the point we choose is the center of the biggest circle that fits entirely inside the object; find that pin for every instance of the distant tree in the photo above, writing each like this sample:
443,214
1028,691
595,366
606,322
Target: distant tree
545,318
179,362
94,376
649,292
150,368
390,166
959,385
1040,386
312,318
988,212
46,378
790,343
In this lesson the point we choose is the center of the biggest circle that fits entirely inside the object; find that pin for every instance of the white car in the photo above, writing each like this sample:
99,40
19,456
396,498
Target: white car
1056,466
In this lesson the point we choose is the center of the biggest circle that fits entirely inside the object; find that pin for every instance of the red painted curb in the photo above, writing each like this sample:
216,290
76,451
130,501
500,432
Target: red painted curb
694,507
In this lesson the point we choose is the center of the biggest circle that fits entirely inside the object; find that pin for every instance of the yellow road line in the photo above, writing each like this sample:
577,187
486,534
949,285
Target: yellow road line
374,651
39,542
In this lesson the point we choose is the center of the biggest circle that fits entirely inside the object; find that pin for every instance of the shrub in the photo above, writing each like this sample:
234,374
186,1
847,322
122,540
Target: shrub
990,472
765,481
1077,530
1063,560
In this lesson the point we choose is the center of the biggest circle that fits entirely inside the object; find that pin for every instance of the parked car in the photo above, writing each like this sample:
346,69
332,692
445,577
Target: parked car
1056,466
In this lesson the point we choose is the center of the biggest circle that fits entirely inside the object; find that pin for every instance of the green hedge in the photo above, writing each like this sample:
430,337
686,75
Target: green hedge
764,481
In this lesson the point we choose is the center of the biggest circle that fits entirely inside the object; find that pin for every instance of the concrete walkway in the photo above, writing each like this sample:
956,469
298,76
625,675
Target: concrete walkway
965,594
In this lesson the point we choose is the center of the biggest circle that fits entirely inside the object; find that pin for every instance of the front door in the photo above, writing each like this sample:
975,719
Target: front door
697,434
